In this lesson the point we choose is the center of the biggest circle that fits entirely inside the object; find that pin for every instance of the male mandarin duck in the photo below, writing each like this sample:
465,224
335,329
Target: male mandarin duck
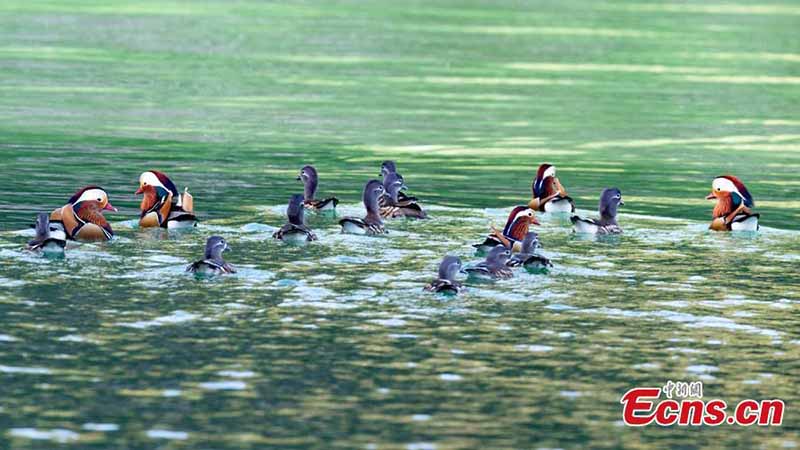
212,262
372,224
527,256
295,229
548,193
732,211
517,226
494,267
308,175
446,282
162,205
392,206
610,200
44,242
82,217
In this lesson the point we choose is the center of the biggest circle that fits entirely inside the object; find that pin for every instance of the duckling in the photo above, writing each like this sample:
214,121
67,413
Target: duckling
446,283
372,224
213,263
44,242
610,200
519,221
308,175
82,217
732,211
494,267
527,256
162,205
295,230
392,206
548,193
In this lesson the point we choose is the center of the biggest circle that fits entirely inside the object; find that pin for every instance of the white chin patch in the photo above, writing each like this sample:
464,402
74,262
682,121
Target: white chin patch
93,194
150,179
724,185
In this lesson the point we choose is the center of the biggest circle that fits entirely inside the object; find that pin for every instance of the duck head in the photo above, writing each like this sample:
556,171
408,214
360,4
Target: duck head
295,210
730,193
93,197
498,256
519,221
393,183
449,267
373,191
215,245
530,243
544,181
158,181
42,226
610,200
308,175
388,167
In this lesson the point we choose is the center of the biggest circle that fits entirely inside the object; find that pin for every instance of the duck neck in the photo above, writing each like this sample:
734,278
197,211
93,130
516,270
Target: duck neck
310,189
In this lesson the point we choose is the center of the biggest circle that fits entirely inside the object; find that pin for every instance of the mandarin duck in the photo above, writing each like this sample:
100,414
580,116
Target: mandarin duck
610,200
295,230
527,256
548,193
446,282
44,242
212,262
371,224
389,168
732,211
162,205
392,206
308,175
517,226
494,266
82,217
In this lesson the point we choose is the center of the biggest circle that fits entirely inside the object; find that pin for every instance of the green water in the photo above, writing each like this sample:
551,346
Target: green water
335,344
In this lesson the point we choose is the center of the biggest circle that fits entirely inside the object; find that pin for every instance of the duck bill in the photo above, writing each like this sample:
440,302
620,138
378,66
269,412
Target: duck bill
711,196
621,203
139,191
109,207
535,221
298,178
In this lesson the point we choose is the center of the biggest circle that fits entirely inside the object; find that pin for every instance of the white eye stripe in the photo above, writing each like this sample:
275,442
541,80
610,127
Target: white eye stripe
724,184
549,172
149,178
93,194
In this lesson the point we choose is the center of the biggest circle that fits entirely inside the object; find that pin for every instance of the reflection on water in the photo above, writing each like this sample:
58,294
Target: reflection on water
335,342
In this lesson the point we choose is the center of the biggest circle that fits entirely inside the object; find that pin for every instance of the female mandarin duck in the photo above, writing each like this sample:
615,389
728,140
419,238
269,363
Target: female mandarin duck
732,211
162,205
517,226
610,200
212,262
548,193
308,175
447,283
391,204
388,169
527,256
295,230
44,242
372,224
494,267
82,217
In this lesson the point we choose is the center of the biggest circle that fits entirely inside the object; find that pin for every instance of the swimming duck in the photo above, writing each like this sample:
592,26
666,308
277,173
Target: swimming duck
44,242
610,200
494,266
308,175
295,229
392,206
212,262
527,256
82,217
548,193
162,205
372,224
732,211
447,283
517,225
